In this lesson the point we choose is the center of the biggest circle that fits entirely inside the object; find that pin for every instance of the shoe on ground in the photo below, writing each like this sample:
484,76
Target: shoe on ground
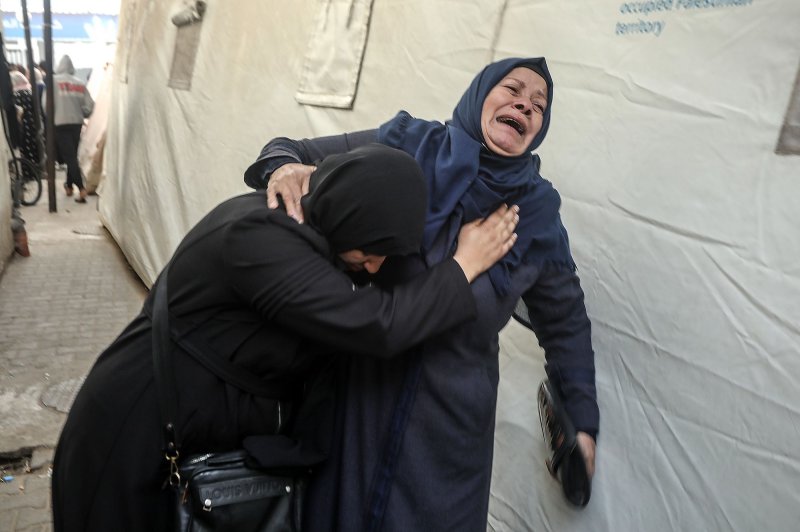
82,197
68,189
21,243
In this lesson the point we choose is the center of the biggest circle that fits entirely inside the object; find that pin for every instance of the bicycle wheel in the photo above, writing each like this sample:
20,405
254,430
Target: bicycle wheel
30,181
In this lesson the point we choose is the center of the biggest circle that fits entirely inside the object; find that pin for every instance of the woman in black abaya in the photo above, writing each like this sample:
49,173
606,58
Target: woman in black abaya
251,285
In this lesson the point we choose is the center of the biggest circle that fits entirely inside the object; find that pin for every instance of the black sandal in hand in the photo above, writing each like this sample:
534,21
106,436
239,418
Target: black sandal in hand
566,463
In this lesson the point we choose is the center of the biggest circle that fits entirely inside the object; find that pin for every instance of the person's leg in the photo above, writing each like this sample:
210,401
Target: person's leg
71,159
63,143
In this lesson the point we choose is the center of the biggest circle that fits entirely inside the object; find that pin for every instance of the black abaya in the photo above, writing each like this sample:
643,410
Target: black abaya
224,281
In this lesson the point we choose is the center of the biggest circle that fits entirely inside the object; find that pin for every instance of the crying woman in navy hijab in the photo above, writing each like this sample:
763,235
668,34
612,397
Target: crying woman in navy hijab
481,157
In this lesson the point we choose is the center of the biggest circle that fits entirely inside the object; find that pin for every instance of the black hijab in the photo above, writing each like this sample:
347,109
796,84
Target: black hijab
467,181
372,199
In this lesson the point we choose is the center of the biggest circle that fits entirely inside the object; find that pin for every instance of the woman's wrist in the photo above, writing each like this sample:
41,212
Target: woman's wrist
469,272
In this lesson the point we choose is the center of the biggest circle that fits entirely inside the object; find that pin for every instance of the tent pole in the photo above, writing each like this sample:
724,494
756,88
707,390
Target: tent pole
50,108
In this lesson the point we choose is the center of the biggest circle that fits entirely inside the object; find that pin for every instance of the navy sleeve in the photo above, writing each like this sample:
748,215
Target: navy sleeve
558,317
282,150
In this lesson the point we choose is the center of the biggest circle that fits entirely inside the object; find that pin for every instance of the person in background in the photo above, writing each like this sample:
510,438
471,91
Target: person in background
29,129
39,82
428,464
73,104
16,67
274,298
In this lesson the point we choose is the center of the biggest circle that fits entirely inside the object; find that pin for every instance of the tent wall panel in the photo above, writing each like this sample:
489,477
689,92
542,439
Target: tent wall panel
682,218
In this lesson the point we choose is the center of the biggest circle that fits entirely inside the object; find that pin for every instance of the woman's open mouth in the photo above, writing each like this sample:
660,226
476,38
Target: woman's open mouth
516,126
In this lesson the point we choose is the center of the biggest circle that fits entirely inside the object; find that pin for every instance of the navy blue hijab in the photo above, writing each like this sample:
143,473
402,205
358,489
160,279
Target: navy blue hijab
467,181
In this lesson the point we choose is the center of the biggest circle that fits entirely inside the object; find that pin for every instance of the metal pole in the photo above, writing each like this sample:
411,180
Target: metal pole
50,107
37,108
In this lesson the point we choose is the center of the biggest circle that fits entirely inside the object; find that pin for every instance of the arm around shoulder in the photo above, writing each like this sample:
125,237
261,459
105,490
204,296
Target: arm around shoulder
283,150
301,290
382,323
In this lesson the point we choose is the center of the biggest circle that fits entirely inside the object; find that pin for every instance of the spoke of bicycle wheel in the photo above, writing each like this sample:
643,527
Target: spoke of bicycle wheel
29,192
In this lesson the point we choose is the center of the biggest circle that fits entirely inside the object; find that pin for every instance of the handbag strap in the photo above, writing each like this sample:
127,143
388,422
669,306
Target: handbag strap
164,376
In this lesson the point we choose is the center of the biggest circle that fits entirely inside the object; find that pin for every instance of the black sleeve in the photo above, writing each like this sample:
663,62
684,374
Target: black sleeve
558,317
282,150
290,283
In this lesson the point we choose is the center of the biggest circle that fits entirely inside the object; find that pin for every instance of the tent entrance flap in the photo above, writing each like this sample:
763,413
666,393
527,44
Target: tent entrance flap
332,63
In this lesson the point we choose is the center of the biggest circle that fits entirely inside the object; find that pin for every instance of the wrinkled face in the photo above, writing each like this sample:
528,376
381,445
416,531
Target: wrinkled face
512,112
357,260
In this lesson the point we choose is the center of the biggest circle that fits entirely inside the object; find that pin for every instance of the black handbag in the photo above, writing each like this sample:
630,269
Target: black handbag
220,491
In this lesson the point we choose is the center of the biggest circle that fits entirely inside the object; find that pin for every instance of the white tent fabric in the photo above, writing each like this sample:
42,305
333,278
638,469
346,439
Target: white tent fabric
335,51
90,149
682,218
